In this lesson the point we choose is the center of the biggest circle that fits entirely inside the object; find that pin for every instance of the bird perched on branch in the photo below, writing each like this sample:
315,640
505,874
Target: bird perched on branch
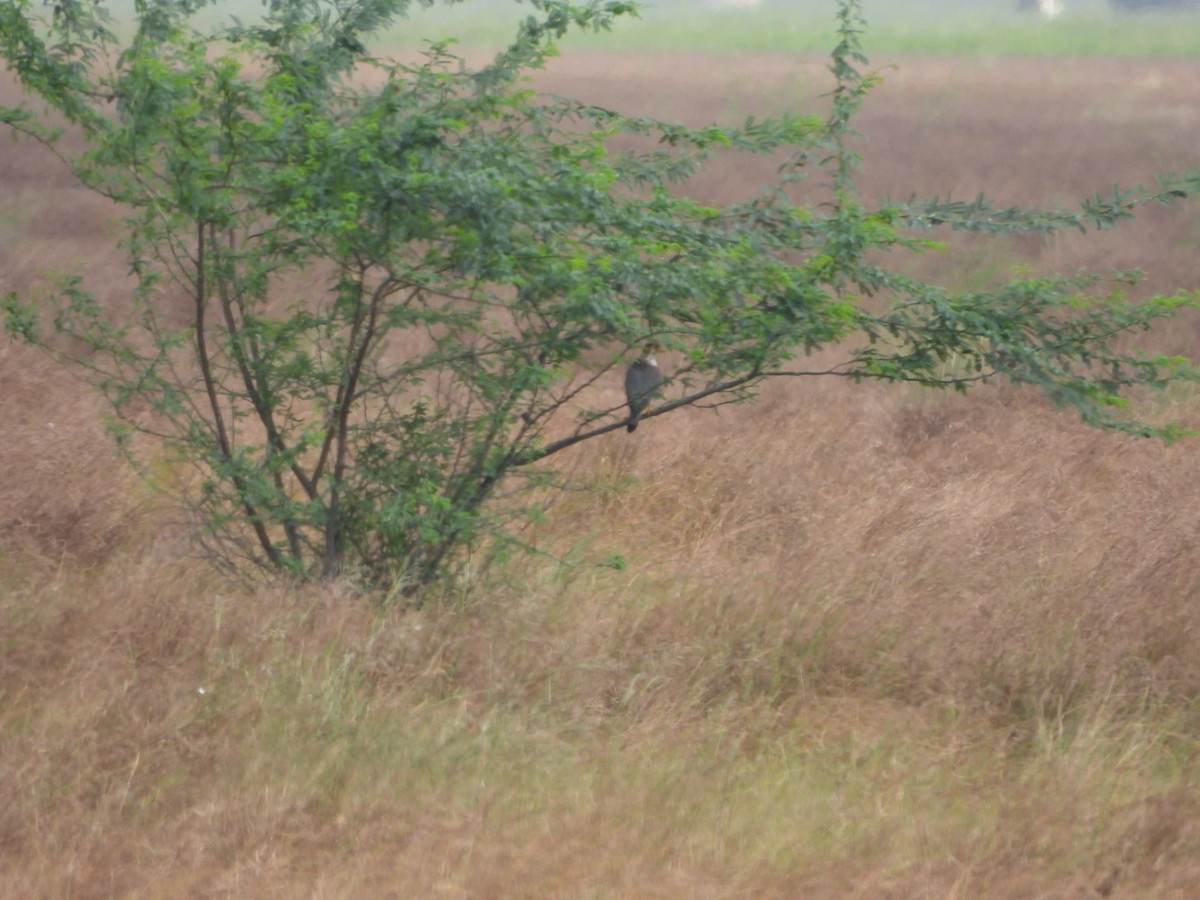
642,380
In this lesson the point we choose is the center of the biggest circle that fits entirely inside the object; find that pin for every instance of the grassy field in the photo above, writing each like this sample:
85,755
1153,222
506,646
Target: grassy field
870,643
1088,28
956,27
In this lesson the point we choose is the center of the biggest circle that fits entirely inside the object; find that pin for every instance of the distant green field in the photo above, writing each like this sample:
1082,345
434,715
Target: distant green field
951,27
963,27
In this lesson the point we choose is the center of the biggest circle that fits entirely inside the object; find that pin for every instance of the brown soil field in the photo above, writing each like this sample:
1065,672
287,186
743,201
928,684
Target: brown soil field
872,642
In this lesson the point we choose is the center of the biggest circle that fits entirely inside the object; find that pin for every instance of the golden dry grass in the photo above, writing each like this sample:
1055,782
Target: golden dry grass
870,642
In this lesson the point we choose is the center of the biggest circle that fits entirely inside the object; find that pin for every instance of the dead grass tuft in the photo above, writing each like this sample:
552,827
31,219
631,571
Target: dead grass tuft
66,495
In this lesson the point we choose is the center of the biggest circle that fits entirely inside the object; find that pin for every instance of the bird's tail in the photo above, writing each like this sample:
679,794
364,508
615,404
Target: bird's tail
632,424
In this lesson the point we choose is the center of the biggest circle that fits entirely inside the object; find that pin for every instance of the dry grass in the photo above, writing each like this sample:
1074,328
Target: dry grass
870,643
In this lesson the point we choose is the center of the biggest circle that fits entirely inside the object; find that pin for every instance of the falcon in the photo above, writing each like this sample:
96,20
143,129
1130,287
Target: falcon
642,381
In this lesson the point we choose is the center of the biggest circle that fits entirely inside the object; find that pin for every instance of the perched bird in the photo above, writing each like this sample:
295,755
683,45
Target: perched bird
641,382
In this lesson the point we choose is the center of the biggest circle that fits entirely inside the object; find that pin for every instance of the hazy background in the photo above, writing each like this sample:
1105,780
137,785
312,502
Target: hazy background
871,641
1087,27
